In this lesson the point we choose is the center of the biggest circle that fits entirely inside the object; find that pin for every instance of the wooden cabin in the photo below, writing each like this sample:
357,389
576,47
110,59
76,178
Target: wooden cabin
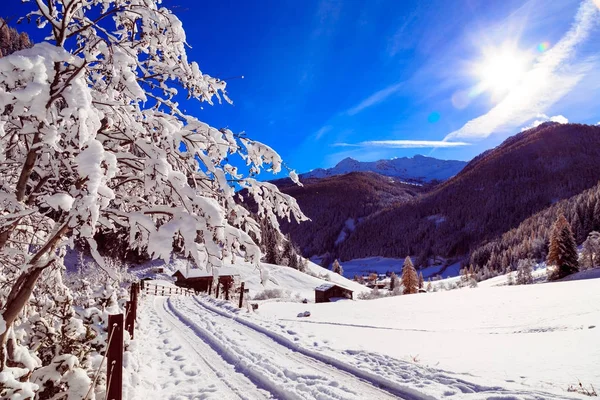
203,280
328,291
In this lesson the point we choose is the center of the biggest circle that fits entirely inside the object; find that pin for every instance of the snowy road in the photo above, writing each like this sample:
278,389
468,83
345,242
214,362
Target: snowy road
242,362
181,365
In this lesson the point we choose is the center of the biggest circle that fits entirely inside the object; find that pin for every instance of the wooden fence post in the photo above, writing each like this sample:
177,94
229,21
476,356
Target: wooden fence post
114,366
155,289
134,300
129,318
226,286
241,295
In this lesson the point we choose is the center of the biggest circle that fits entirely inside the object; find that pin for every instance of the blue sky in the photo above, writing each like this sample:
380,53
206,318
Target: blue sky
327,79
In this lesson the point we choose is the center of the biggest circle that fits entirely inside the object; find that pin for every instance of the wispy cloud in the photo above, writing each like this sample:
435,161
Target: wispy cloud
324,129
375,98
553,76
544,118
402,39
404,144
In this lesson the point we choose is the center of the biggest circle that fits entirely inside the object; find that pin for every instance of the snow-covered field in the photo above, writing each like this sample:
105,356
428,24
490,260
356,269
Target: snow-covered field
543,337
490,342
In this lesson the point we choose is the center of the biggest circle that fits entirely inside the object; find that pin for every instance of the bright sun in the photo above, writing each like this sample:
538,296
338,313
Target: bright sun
501,69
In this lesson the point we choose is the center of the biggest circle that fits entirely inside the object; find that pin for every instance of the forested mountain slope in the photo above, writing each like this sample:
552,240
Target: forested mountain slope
530,239
491,195
337,204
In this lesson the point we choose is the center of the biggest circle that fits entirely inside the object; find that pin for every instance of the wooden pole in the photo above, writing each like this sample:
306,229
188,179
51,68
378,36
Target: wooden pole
129,318
134,302
114,366
217,290
241,295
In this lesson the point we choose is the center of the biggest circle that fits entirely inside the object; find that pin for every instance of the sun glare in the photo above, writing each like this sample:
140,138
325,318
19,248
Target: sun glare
500,70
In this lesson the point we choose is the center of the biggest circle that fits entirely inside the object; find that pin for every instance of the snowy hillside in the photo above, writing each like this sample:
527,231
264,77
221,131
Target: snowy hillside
412,169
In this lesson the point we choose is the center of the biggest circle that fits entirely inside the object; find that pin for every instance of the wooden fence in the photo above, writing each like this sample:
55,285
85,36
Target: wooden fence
119,323
160,290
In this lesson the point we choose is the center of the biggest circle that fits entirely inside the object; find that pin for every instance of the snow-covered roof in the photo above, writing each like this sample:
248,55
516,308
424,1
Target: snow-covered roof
326,286
206,273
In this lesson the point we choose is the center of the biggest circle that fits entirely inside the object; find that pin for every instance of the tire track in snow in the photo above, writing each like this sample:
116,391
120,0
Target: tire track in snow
301,375
238,385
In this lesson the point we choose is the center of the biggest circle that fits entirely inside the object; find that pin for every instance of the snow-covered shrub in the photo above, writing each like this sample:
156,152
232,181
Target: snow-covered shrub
375,293
271,294
524,271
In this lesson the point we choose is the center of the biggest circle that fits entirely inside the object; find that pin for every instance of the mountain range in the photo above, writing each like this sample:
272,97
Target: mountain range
417,169
365,214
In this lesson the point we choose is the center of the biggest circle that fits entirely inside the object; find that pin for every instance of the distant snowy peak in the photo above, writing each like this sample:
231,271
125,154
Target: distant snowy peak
418,168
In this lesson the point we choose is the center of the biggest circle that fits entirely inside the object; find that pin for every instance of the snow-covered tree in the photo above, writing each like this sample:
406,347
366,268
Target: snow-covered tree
337,268
524,271
11,40
421,280
410,281
591,251
562,254
92,137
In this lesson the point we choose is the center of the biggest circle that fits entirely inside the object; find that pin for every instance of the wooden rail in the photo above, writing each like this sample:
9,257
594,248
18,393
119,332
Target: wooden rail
162,290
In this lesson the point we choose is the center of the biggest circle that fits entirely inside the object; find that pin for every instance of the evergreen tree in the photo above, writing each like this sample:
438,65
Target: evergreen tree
271,244
410,281
429,286
288,256
464,275
563,250
393,281
421,281
337,268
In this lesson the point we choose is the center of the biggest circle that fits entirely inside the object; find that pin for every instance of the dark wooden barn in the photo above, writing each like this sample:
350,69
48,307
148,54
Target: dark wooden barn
203,280
328,291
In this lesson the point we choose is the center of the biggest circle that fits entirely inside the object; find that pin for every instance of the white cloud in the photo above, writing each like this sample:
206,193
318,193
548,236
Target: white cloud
404,144
551,78
375,98
544,118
